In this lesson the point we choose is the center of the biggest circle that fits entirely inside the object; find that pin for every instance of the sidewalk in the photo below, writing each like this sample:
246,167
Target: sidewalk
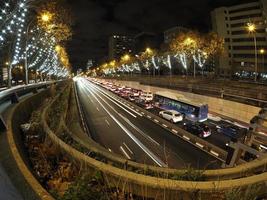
7,190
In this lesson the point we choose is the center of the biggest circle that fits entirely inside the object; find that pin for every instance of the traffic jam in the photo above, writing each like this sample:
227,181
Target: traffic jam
192,117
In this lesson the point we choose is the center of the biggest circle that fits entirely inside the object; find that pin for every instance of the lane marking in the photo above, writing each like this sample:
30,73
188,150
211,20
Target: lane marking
149,116
214,153
107,122
185,137
127,148
200,145
164,125
174,131
139,130
155,120
97,109
109,150
125,153
114,99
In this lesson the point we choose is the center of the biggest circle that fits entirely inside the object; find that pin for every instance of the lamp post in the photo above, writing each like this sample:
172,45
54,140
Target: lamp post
262,52
252,30
45,17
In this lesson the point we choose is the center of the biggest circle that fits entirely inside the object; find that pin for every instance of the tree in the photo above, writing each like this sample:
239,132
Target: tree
184,47
59,18
209,45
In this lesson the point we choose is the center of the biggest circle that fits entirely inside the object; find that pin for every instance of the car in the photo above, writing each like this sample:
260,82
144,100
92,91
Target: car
199,129
146,96
145,104
231,131
136,92
131,97
171,115
148,105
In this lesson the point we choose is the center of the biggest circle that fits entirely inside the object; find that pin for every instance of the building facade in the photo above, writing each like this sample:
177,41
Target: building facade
245,50
120,45
172,33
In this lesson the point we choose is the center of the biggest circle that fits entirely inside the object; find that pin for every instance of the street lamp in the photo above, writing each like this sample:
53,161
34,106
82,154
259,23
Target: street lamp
252,30
45,17
262,52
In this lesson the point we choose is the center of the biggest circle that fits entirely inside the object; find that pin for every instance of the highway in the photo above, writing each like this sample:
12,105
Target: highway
124,131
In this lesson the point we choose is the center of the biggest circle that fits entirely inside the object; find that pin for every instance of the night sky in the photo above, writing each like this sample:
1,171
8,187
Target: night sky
96,20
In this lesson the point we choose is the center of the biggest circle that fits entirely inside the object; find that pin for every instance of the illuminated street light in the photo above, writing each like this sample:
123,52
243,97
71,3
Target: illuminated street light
262,52
252,30
46,17
149,51
7,63
126,57
57,48
251,27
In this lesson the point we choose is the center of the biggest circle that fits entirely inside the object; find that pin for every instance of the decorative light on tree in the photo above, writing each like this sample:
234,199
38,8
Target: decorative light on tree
20,24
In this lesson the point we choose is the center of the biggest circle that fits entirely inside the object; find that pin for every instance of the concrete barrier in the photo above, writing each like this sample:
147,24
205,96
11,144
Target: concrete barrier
23,178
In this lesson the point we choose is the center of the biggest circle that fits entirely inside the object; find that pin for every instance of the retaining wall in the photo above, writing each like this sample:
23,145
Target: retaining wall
22,176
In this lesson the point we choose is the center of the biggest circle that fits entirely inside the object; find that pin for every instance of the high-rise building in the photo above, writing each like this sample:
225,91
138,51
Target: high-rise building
172,33
232,23
120,45
90,63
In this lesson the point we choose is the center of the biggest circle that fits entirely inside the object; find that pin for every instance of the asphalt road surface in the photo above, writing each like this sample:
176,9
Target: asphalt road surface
124,131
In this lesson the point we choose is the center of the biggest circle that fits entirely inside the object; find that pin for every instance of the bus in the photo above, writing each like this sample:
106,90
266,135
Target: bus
190,110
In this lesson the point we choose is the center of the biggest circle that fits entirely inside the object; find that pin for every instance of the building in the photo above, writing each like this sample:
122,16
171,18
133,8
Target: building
147,39
232,23
172,33
120,45
90,63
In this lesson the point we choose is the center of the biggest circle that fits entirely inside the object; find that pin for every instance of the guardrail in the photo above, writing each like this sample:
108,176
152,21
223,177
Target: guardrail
14,93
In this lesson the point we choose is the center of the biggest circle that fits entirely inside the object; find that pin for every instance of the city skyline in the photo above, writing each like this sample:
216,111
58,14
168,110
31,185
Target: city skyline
96,21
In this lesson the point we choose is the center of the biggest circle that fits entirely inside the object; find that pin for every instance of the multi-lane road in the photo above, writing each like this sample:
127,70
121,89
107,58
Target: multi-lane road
126,132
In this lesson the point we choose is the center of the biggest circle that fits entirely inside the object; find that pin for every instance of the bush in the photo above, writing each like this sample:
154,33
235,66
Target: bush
85,188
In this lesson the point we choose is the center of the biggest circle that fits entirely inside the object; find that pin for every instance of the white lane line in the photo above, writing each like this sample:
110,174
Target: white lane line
157,160
155,120
107,122
114,99
142,113
125,153
119,106
109,150
200,145
138,130
97,109
185,137
214,153
174,131
149,116
127,148
164,125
